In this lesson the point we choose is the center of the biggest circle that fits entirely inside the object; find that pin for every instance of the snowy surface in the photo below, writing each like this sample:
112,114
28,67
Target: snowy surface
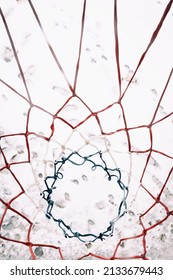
40,123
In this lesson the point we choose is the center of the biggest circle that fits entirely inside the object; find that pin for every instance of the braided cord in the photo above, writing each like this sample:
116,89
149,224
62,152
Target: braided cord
58,175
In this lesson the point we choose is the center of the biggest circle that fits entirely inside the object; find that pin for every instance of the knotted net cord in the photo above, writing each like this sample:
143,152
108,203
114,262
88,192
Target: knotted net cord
112,173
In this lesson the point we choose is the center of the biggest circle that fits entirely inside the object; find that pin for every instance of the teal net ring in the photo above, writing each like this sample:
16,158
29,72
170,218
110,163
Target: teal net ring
111,174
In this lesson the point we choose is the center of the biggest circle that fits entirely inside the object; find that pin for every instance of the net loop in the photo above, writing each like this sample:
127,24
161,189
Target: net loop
110,172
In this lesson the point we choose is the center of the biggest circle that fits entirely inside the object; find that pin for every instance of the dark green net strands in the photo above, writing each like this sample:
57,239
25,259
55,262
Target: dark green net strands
111,174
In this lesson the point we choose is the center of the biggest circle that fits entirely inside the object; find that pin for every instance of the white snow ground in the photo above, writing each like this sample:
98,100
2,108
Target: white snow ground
85,200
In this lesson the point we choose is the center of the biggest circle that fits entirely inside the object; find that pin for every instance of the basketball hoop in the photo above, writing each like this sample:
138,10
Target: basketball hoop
86,121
